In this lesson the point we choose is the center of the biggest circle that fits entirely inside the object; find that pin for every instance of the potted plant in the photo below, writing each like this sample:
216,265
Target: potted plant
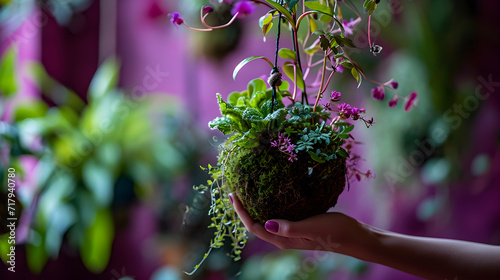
288,155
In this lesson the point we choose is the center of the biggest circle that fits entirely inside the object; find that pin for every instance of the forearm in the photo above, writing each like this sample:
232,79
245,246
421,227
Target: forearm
430,258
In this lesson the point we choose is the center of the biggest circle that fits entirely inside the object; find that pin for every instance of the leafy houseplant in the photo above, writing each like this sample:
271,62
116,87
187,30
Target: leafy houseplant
285,157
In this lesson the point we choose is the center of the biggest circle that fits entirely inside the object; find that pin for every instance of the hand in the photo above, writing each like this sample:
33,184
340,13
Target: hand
334,232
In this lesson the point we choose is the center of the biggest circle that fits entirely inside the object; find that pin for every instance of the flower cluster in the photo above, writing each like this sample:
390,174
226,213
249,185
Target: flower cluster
378,93
285,145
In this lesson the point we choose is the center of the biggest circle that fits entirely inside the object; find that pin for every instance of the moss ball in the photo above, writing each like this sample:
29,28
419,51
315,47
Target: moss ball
271,187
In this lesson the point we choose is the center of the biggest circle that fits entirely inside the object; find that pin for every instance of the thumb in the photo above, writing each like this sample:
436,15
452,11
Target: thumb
286,228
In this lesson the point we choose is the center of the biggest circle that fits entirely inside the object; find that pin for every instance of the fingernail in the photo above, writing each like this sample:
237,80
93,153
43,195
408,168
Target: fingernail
231,198
272,226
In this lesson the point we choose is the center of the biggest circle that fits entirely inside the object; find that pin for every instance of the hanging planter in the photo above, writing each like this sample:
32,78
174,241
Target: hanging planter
286,156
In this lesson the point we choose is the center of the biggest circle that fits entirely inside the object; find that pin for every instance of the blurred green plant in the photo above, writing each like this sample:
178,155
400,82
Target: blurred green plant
89,158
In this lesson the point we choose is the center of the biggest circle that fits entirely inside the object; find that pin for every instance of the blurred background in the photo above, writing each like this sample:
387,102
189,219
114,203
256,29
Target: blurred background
104,108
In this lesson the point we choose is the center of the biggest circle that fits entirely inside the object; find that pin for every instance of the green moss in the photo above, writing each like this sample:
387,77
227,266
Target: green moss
271,187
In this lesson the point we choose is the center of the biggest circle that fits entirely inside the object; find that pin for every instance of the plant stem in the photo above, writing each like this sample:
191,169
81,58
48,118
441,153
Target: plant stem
322,83
297,57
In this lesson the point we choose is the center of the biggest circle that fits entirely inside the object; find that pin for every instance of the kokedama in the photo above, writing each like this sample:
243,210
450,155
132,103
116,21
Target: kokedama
285,158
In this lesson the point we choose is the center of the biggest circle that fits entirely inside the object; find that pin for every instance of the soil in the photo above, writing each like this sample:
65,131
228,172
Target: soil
271,187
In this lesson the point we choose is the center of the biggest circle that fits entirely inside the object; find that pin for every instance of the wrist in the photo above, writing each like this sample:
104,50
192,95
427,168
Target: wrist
366,243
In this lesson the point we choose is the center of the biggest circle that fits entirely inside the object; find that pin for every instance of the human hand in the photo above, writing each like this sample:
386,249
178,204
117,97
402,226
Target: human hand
334,232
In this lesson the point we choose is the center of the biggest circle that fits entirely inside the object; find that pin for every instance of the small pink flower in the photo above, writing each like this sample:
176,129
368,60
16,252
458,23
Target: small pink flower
378,93
394,84
412,101
176,19
208,9
335,96
393,102
339,68
243,8
358,177
348,26
344,110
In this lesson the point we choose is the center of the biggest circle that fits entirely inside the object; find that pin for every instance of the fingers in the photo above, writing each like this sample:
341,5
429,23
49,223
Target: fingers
256,228
286,228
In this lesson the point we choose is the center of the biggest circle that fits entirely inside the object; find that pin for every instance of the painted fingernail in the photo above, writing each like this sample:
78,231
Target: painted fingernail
272,226
231,198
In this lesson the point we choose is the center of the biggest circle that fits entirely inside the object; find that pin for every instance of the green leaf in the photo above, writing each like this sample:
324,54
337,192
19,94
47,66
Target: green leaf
246,60
99,181
315,157
291,3
325,18
312,24
96,246
343,136
324,42
344,41
312,49
252,115
254,86
8,82
30,109
36,256
282,10
266,23
233,97
356,75
287,54
370,6
288,67
342,152
348,129
222,124
105,78
316,6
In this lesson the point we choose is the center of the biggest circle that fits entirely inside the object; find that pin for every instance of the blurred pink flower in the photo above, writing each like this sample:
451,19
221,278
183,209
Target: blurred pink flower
243,8
378,93
412,101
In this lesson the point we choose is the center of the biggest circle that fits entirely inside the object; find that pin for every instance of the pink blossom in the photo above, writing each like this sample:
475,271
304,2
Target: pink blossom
344,110
208,9
243,8
393,102
176,19
412,101
348,26
378,93
335,96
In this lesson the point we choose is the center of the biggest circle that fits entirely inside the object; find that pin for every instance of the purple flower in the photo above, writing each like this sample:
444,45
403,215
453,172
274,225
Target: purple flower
208,9
344,110
176,19
394,84
412,100
290,148
243,8
378,93
358,177
348,26
292,158
355,113
339,68
335,96
393,102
